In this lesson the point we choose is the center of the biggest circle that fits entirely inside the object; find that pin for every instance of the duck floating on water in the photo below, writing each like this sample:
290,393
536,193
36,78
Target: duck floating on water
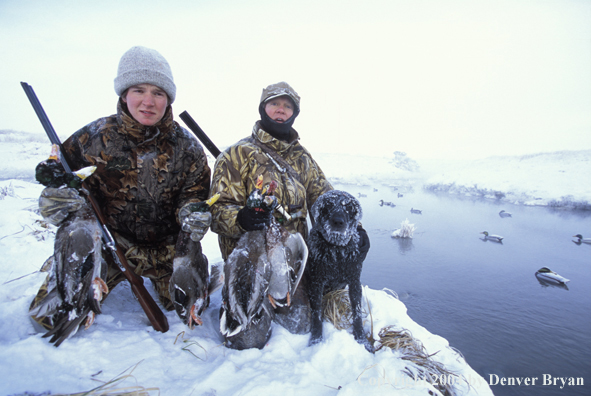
382,203
547,274
416,211
580,239
490,237
502,213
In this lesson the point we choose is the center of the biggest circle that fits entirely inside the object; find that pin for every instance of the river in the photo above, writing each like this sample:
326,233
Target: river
483,296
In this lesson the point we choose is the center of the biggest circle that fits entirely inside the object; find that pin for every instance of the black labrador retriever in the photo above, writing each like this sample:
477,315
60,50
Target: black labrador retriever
337,247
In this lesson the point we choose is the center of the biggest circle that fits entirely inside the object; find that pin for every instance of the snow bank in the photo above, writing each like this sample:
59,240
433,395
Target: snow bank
556,179
184,361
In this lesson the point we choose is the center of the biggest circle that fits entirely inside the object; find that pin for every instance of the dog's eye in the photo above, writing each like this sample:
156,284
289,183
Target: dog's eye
349,207
325,210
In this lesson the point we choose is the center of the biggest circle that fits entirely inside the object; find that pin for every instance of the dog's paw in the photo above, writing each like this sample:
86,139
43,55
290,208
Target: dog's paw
314,340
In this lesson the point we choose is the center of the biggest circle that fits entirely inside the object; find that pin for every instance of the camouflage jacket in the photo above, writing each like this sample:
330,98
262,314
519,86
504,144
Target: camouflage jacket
144,174
235,174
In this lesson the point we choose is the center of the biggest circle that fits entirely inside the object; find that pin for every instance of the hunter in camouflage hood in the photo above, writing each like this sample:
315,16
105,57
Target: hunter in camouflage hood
236,171
274,152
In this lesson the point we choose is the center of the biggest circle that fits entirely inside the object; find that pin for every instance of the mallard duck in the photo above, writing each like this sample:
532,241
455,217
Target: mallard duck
489,237
263,271
406,230
77,287
549,275
191,282
416,211
580,239
502,213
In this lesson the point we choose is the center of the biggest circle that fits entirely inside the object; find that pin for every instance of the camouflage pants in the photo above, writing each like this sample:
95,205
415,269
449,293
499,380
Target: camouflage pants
152,262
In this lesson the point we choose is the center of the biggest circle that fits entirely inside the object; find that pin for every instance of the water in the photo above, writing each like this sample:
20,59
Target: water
482,296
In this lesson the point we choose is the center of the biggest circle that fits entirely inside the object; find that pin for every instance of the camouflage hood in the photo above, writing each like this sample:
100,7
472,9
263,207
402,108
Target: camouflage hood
280,89
279,130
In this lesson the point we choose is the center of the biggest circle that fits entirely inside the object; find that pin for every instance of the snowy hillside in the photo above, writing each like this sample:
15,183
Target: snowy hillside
557,179
547,179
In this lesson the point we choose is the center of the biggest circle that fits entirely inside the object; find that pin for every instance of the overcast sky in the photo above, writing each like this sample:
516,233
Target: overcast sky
432,78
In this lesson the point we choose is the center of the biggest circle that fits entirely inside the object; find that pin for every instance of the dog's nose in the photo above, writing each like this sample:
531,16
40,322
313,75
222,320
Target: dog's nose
338,221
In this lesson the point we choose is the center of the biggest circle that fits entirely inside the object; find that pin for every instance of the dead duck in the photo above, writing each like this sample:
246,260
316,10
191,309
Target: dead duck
191,282
490,237
77,286
416,211
262,272
503,213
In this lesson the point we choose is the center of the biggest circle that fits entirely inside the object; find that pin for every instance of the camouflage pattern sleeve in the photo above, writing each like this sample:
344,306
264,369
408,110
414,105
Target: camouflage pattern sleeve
197,174
227,180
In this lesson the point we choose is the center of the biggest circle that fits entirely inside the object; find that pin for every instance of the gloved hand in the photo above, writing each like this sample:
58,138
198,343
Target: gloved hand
56,204
254,219
363,241
194,222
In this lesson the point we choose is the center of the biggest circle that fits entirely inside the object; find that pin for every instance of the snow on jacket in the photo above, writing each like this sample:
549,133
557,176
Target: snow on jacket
144,174
235,174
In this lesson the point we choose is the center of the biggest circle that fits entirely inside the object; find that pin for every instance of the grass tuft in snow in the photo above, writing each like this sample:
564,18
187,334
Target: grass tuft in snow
110,388
422,367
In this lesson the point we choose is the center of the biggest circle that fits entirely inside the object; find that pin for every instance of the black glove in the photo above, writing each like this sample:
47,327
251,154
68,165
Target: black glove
363,241
254,219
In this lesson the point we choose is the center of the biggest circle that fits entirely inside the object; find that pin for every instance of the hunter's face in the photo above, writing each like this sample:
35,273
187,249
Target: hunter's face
279,109
147,103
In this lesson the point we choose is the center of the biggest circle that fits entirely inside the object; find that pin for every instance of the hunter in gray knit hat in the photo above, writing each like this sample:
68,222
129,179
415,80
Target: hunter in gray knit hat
141,65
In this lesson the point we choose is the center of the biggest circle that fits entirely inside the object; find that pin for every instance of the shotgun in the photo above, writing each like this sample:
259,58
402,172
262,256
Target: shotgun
193,126
155,315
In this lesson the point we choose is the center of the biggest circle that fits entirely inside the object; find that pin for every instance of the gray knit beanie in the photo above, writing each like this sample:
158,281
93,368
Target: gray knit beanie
141,65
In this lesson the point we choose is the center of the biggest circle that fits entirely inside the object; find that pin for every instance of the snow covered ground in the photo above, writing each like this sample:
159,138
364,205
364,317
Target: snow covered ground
194,362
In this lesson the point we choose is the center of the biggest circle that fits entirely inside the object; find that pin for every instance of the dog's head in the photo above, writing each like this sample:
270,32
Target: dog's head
336,214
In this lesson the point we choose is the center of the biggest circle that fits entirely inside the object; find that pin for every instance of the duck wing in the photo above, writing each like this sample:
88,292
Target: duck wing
287,254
